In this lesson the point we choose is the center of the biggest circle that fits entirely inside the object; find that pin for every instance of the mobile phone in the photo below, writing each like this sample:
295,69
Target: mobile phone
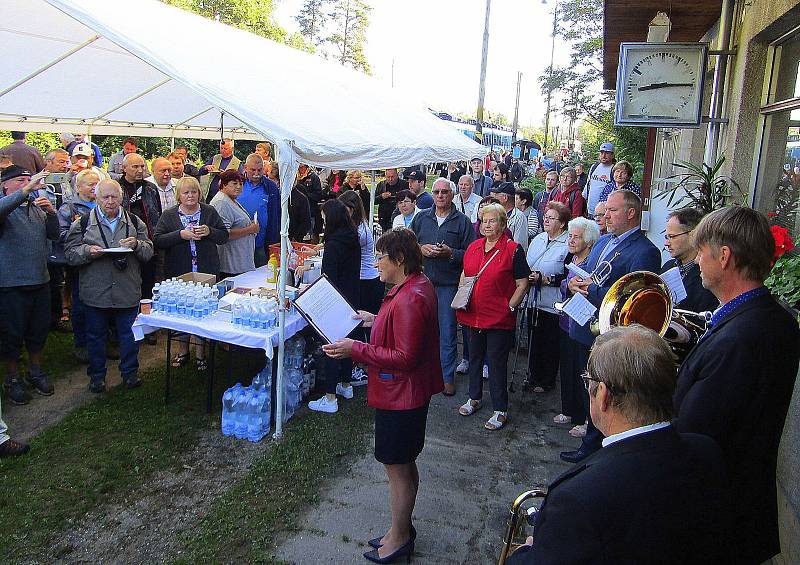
55,178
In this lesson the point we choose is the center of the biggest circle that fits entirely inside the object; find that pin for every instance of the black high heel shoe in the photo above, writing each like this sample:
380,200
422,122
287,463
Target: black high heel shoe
376,542
403,551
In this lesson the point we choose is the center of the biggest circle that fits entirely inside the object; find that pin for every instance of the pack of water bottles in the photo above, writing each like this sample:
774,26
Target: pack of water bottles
246,411
255,312
183,299
293,376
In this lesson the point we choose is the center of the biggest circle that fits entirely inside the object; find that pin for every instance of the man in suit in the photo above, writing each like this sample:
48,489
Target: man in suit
736,384
651,494
678,242
626,248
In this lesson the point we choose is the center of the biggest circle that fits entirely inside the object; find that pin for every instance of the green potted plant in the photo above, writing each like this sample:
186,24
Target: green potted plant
702,186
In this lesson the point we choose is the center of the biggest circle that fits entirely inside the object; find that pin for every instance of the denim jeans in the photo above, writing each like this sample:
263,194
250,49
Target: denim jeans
97,322
3,428
78,314
448,340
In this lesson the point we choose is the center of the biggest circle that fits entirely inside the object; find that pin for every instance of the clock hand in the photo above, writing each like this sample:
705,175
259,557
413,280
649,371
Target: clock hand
656,85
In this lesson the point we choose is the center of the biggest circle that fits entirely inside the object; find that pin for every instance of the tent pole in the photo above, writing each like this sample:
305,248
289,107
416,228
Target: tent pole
40,70
221,126
372,203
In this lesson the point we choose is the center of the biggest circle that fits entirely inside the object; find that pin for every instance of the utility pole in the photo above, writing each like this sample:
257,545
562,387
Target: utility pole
516,109
550,76
482,85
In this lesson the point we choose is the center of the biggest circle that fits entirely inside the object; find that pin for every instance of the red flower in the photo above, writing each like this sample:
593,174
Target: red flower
783,241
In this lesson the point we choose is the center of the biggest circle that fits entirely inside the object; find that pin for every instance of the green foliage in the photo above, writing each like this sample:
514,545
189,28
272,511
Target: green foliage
42,141
312,19
630,143
533,183
784,280
351,20
702,186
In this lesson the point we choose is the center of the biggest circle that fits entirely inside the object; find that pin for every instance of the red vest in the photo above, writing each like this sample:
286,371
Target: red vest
488,308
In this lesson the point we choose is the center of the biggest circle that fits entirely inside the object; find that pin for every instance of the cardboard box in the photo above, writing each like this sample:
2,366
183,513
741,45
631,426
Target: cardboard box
198,278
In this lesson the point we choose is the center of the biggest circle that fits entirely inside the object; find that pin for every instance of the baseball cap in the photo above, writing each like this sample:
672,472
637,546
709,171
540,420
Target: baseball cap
82,149
13,172
504,188
415,174
607,147
478,159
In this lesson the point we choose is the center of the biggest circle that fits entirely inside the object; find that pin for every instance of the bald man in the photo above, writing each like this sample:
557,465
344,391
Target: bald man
162,178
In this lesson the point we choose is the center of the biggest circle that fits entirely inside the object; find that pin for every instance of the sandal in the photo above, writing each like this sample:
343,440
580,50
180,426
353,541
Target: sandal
64,315
180,360
469,407
201,364
497,421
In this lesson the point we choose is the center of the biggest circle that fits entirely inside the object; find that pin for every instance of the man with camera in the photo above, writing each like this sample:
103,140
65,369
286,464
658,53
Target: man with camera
27,222
58,190
110,245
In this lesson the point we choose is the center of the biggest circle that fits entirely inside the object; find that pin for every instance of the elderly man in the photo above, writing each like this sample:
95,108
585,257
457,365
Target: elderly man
385,194
83,159
416,179
27,222
22,154
651,494
599,176
626,249
110,282
517,222
678,243
444,234
569,193
600,217
115,163
736,384
97,156
262,199
466,201
162,179
482,183
222,161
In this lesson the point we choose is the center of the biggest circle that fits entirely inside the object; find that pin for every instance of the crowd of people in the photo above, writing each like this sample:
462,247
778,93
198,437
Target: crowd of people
476,256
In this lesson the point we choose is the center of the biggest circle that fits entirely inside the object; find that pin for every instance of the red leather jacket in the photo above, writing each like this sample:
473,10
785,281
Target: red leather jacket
403,354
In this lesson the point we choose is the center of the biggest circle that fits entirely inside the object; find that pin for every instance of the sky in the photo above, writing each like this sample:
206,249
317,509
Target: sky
436,49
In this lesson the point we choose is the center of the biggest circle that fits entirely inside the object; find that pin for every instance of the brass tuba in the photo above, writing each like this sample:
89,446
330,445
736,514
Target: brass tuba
520,516
644,298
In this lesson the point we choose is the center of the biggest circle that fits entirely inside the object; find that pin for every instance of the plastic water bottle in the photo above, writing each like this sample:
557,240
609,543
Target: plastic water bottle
241,409
265,412
156,296
182,305
262,381
254,426
237,313
228,423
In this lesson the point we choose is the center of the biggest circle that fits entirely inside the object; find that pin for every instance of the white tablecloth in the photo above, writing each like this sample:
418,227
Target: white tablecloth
218,327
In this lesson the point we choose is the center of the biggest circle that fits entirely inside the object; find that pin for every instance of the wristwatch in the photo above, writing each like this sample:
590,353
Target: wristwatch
512,308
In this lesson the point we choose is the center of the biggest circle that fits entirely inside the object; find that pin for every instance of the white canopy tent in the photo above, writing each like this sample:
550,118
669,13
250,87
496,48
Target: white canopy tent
145,68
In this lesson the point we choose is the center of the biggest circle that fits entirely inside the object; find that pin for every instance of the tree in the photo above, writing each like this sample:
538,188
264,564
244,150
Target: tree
351,20
312,19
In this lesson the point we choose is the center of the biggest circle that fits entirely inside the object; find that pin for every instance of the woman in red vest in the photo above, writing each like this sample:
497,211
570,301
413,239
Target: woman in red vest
403,373
491,315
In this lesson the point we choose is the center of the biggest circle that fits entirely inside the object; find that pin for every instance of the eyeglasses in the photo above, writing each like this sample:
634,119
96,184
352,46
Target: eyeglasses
379,256
673,236
443,191
551,218
586,377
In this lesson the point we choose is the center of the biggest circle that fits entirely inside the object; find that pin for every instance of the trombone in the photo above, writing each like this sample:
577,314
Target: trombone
520,516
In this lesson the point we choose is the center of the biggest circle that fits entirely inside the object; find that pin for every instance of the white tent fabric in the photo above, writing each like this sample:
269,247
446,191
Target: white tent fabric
145,68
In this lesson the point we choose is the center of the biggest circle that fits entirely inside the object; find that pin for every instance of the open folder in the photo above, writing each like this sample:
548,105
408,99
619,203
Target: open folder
328,312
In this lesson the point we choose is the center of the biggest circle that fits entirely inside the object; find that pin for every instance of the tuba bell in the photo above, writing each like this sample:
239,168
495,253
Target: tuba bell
520,516
644,298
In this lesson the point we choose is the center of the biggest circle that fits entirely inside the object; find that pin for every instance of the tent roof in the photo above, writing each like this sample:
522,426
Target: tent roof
146,68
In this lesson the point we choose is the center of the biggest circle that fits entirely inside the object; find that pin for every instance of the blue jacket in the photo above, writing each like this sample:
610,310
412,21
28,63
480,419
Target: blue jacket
636,253
456,232
263,198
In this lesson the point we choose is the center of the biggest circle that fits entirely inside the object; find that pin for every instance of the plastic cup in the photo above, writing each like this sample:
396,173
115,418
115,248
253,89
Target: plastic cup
145,306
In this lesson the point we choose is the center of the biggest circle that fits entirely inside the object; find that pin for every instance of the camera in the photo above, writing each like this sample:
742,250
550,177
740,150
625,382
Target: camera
121,263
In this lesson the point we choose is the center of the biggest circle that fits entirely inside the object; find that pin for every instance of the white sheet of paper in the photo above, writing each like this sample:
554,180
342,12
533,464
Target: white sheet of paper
580,309
578,272
675,284
118,250
327,310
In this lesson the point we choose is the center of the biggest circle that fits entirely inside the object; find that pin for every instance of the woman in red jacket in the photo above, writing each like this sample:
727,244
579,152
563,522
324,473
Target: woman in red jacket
404,372
491,315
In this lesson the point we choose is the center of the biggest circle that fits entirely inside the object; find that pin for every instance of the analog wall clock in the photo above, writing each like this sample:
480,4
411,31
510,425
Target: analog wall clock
660,84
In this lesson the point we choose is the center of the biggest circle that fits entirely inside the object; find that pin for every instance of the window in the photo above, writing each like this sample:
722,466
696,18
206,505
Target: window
778,183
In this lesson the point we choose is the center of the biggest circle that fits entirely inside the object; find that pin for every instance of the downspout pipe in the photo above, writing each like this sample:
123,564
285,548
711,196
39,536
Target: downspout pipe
718,84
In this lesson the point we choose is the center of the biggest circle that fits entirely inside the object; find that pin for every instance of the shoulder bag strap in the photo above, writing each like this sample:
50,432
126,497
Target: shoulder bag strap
496,251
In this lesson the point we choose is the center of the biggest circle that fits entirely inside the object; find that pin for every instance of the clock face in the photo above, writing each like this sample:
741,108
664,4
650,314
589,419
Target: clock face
659,84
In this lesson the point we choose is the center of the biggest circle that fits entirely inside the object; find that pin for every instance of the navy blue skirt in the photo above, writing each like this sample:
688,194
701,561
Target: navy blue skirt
400,435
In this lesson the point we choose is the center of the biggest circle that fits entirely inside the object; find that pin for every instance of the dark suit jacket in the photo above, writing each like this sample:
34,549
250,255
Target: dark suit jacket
658,497
636,253
698,298
178,255
736,386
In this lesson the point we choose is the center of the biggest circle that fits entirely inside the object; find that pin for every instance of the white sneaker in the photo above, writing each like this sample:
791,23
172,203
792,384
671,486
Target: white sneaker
578,431
324,405
562,419
463,367
486,372
346,392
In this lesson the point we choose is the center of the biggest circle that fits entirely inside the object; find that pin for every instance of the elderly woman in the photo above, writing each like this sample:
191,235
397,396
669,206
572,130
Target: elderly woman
404,372
272,171
236,255
583,234
407,205
189,234
355,181
622,174
491,313
546,255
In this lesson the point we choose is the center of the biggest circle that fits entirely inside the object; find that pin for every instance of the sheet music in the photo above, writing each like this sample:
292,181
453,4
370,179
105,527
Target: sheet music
675,284
578,272
328,312
580,309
